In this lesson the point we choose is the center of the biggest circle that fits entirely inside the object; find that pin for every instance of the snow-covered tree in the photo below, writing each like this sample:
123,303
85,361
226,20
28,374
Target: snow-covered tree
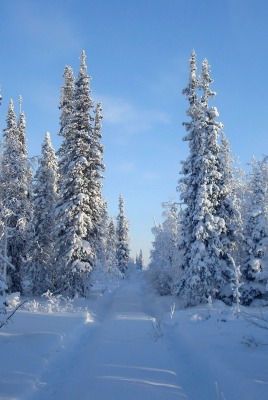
3,266
165,246
207,263
63,213
95,186
8,185
264,170
26,179
240,190
231,198
122,236
236,288
255,271
4,237
40,275
103,234
75,218
165,256
106,264
111,243
188,184
16,193
66,107
231,237
139,260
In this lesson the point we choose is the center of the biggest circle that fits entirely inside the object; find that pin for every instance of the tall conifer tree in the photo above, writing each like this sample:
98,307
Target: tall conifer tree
165,256
16,193
122,231
66,107
98,204
208,262
76,250
111,242
188,184
255,270
230,209
42,251
3,285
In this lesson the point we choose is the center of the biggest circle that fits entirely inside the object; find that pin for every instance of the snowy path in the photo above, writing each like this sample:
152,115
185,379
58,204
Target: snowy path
117,359
58,356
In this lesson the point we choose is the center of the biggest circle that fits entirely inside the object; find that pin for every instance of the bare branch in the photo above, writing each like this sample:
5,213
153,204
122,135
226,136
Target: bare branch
3,323
256,320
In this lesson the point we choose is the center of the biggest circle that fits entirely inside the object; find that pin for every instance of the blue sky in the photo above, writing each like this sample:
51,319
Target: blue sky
137,55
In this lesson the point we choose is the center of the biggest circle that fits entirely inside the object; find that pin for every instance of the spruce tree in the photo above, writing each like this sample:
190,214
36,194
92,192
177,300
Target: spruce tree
111,243
256,238
165,257
208,265
42,251
16,194
76,251
8,193
66,107
63,204
220,218
188,184
103,233
3,266
139,260
264,170
165,253
230,210
122,233
26,179
97,167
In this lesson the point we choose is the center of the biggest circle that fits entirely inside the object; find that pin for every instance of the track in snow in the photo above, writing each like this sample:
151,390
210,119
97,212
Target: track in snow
118,359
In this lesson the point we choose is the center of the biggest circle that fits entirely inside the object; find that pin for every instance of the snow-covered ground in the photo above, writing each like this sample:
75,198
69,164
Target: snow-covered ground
132,344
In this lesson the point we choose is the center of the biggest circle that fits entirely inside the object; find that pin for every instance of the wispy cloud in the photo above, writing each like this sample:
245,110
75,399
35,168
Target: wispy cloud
169,80
47,26
151,176
129,117
125,167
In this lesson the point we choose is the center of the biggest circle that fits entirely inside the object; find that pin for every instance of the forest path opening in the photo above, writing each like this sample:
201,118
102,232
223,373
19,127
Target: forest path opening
118,359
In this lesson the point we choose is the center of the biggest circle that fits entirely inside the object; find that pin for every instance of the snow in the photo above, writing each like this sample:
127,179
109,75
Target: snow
126,342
